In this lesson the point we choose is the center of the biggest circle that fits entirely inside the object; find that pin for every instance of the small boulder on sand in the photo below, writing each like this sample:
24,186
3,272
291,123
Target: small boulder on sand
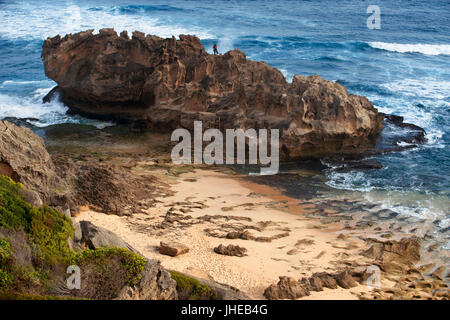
230,250
172,249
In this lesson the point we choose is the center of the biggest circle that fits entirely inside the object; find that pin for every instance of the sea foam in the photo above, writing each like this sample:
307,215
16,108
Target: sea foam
428,49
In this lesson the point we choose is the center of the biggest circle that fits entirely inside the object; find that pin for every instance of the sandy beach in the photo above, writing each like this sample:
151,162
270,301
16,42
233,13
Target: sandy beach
286,242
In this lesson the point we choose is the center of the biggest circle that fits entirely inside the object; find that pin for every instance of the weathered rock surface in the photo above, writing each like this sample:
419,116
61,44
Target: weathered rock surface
156,284
24,159
395,256
113,190
230,250
166,83
89,236
172,248
289,288
286,288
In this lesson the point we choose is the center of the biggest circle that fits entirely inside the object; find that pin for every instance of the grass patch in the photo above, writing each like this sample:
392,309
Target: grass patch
191,289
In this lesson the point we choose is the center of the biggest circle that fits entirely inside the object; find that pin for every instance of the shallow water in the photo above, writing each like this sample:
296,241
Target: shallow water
403,68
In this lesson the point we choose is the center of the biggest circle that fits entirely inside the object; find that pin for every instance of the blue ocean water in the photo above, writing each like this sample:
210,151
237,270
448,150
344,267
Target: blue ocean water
403,68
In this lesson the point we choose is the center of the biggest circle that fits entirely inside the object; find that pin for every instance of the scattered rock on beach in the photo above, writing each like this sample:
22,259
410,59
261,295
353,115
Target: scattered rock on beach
286,288
172,249
230,250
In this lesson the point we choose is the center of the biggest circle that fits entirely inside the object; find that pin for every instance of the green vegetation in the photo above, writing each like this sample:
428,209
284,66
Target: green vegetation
191,289
48,228
133,263
45,232
6,278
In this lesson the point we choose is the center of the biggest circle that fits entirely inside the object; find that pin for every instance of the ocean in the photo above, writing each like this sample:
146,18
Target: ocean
403,68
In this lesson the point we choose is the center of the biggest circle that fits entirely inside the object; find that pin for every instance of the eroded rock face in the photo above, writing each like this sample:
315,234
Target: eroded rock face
289,288
156,284
167,83
395,256
286,288
89,236
24,159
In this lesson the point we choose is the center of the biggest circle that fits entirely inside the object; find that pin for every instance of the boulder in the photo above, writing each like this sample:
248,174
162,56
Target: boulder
164,83
155,284
286,288
87,235
172,248
230,250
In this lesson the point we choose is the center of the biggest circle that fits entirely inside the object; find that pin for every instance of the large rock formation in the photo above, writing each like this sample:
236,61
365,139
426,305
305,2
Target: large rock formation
171,83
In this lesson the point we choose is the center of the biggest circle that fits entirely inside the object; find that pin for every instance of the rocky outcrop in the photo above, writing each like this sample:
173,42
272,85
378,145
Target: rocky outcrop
168,83
24,159
395,256
289,288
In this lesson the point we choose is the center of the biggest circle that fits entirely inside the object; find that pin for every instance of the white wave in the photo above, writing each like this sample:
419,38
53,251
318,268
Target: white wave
46,113
428,49
352,181
429,88
43,21
412,204
429,92
25,82
225,44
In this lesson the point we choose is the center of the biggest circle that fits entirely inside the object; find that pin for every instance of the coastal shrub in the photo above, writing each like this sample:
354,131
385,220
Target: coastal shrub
5,251
191,289
6,278
132,263
48,228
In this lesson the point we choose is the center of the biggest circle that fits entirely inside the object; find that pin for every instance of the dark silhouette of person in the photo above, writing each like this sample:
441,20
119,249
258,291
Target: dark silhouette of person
200,53
215,48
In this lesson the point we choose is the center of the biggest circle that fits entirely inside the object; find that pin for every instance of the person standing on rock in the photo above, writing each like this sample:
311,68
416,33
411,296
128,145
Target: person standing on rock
215,48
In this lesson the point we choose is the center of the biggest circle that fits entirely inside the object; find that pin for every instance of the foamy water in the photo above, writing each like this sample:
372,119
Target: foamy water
430,49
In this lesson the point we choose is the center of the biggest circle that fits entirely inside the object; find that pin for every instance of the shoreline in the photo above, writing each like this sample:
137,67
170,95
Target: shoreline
304,246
